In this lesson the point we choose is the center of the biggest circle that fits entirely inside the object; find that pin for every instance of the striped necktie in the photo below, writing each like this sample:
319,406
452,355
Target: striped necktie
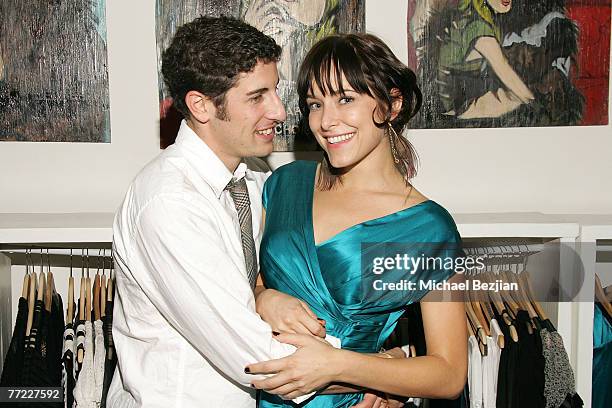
240,194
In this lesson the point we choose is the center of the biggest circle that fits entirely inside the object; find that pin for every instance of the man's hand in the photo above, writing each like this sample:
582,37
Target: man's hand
286,314
309,369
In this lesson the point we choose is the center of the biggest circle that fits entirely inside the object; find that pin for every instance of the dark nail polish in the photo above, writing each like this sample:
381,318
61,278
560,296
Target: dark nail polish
247,370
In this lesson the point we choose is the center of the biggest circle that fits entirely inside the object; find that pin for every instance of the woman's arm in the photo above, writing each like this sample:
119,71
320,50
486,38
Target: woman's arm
489,48
439,374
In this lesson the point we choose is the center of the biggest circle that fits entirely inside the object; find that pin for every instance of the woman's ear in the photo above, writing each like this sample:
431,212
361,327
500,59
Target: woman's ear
199,106
397,101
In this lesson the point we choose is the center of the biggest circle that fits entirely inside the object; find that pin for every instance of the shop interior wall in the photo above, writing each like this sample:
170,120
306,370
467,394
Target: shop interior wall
565,170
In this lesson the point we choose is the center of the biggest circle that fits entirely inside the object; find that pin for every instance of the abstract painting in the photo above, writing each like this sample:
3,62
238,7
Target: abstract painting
53,71
508,63
295,25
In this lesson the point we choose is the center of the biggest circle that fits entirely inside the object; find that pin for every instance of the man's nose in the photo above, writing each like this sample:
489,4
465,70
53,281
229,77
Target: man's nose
276,110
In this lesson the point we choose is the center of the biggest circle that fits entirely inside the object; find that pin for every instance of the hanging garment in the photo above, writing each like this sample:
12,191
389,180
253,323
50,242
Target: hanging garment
68,359
573,401
474,373
80,345
98,360
34,364
558,373
84,390
490,366
328,276
40,368
507,365
529,380
13,363
55,342
110,362
602,359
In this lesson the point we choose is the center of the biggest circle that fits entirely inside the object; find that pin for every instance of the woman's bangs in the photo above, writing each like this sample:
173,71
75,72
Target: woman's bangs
332,64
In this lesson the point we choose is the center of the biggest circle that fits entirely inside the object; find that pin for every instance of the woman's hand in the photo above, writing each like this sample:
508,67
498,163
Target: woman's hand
313,366
286,314
375,401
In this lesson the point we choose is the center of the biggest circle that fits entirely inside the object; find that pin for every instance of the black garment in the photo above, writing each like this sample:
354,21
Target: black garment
507,365
111,357
13,363
40,352
55,340
529,380
33,362
79,331
68,359
572,401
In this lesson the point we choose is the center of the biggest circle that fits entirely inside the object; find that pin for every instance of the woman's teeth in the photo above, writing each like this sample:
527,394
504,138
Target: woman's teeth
265,131
338,139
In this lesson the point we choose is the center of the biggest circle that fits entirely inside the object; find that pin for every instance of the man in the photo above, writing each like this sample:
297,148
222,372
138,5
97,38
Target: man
185,325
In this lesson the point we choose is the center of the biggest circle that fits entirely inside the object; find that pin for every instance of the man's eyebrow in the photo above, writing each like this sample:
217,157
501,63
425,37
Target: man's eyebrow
257,91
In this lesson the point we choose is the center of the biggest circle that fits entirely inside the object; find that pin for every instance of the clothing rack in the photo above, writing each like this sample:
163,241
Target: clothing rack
91,256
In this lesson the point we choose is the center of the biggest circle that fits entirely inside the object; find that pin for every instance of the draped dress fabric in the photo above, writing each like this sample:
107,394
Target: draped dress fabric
329,276
602,358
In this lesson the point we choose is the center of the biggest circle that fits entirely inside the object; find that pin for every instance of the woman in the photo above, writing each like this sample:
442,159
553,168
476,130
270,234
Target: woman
472,43
357,97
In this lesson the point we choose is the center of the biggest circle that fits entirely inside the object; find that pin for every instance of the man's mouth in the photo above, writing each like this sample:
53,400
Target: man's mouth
265,132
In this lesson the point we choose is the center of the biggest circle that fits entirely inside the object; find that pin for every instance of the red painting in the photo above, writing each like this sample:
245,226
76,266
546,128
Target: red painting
505,63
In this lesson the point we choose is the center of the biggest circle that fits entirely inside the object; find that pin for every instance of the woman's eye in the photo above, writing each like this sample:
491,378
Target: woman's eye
346,99
314,105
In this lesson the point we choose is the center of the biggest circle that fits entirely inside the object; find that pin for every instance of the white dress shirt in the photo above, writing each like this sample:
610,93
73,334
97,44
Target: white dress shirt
184,323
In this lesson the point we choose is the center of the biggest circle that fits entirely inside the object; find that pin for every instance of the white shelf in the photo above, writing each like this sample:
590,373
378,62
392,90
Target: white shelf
592,226
38,228
97,227
520,225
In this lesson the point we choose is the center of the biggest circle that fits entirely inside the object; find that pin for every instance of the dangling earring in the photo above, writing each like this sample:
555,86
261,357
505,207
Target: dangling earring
392,136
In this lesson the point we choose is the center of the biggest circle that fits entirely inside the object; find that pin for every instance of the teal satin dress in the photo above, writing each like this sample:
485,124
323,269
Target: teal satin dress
329,276
602,359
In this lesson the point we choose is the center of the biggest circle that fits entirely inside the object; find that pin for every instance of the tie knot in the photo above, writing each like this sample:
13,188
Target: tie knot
236,185
239,192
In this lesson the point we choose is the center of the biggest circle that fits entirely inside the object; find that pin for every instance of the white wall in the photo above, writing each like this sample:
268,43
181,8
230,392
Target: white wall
564,170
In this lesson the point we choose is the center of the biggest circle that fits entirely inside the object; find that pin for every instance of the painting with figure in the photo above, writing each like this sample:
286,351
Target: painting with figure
507,63
53,71
294,24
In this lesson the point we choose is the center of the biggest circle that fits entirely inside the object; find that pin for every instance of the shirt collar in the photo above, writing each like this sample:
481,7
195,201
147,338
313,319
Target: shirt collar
207,164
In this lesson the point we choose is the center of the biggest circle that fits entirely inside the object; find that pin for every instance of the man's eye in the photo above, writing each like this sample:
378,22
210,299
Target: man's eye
256,98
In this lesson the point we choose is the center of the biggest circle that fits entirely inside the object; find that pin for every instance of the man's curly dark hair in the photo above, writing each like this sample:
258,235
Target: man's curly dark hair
208,54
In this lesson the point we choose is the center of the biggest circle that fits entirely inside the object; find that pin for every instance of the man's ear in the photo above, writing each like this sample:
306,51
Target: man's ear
397,101
200,106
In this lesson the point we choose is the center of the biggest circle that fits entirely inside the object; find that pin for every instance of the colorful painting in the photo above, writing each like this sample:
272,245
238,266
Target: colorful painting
506,63
295,25
53,71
